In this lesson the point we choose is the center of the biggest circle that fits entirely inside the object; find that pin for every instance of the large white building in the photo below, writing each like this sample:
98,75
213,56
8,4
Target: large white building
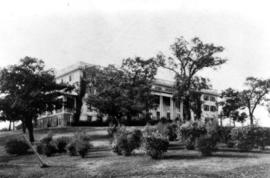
162,89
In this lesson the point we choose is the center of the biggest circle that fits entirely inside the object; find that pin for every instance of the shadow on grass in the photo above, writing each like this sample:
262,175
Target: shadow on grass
8,157
198,156
232,156
238,151
179,157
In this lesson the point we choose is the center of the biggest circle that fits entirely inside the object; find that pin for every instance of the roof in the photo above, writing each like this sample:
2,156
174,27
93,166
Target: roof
76,66
163,82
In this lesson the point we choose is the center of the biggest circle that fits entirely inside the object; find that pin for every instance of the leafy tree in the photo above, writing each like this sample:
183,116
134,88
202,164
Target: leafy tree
30,88
7,112
141,75
255,94
231,103
198,83
124,91
189,59
111,97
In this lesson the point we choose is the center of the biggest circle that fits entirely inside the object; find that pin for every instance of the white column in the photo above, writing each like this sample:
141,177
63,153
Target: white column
161,106
171,108
63,103
181,110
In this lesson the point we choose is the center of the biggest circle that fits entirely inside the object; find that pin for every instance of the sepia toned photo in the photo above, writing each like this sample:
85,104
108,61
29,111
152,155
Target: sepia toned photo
134,88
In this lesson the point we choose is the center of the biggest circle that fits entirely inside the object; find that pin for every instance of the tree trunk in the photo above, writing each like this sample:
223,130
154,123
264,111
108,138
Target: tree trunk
221,124
187,113
9,128
79,100
23,127
30,129
251,119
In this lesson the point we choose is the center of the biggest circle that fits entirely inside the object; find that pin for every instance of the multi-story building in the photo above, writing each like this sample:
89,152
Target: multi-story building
162,89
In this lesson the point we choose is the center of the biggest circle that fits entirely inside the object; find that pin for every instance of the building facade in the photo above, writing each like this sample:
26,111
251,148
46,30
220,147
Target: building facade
162,89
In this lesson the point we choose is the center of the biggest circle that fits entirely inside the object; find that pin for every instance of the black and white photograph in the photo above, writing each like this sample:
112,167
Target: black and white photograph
134,88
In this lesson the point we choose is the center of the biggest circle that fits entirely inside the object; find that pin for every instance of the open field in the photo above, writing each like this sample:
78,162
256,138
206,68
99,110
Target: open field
101,162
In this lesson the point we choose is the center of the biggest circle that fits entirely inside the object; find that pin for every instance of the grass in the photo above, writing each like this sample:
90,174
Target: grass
101,162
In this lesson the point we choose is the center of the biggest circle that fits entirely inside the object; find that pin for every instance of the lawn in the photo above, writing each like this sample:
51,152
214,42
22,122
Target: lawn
101,162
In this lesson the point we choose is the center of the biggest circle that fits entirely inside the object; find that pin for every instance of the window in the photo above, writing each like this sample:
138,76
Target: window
158,88
206,108
208,119
205,97
166,101
213,108
168,115
70,78
158,115
212,98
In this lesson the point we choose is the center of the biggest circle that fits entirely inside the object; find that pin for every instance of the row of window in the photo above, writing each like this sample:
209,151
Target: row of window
207,98
209,108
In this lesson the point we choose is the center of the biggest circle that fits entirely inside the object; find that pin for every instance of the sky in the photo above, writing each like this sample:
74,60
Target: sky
104,32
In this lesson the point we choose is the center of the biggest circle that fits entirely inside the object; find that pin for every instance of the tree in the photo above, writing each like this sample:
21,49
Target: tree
189,59
141,75
7,112
255,94
124,91
30,87
111,97
231,103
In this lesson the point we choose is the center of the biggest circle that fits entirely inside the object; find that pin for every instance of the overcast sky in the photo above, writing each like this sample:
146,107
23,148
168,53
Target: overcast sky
102,32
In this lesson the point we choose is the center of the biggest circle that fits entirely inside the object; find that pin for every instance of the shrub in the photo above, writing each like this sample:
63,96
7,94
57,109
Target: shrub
16,146
71,148
82,147
112,130
224,134
156,146
206,145
61,144
135,139
125,142
172,131
47,145
79,145
40,148
190,143
190,132
50,148
230,144
244,138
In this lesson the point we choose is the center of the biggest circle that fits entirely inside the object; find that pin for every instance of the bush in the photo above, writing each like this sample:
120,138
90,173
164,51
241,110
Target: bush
156,146
82,147
224,134
244,138
230,144
135,139
125,142
190,132
112,130
47,145
61,144
16,146
71,148
206,145
172,132
190,143
79,145
50,148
